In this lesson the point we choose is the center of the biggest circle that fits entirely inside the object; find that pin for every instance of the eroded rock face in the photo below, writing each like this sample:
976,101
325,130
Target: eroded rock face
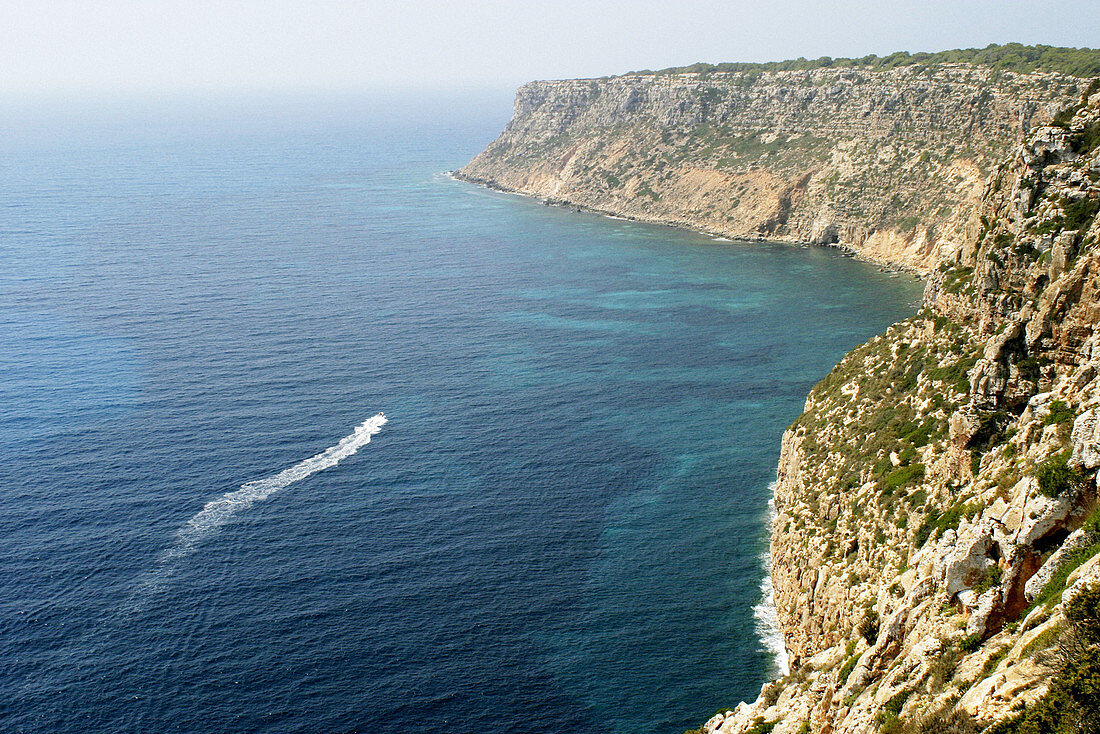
1086,439
890,164
904,569
1077,540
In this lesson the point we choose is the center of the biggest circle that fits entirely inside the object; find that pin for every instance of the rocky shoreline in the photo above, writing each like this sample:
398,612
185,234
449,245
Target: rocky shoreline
845,249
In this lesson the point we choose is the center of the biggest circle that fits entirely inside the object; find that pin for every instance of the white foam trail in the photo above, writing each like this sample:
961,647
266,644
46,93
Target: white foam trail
767,617
218,512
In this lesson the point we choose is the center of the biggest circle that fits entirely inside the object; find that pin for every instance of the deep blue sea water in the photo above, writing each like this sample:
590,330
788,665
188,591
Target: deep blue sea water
558,530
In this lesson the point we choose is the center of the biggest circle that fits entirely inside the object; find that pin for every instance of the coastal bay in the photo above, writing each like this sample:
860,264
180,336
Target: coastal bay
559,527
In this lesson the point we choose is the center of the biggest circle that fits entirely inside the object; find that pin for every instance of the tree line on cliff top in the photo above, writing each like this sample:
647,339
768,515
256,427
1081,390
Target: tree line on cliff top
1079,62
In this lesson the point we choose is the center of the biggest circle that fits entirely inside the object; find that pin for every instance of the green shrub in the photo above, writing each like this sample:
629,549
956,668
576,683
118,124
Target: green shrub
975,462
1076,215
903,475
868,626
760,726
1059,413
846,670
994,660
936,524
1056,477
970,643
943,668
1085,141
1080,213
888,718
1057,583
1083,612
1079,62
953,372
1042,641
1072,702
957,278
991,579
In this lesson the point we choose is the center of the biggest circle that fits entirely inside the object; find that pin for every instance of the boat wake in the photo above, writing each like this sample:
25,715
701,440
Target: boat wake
218,512
767,617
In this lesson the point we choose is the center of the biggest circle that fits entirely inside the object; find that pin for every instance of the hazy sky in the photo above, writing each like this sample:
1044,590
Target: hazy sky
49,46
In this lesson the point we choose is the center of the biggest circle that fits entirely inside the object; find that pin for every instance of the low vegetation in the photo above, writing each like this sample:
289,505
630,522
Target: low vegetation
1072,703
1057,583
1056,478
1080,62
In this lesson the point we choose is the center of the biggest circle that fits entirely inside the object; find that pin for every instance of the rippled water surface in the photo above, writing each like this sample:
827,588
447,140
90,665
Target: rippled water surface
558,529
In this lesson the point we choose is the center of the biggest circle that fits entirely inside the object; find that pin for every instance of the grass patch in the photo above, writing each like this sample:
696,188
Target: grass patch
903,475
1077,214
889,721
989,580
1057,583
970,643
761,727
1072,702
955,279
849,664
1045,640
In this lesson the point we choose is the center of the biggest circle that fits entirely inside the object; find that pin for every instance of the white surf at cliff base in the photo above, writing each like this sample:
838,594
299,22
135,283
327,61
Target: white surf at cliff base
767,618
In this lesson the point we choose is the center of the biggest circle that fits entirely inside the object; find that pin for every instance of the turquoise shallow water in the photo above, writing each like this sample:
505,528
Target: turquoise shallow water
560,526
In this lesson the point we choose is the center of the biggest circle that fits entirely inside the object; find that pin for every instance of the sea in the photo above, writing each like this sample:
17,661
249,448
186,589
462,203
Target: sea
560,522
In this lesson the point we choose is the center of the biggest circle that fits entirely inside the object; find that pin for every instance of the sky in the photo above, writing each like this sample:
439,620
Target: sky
64,47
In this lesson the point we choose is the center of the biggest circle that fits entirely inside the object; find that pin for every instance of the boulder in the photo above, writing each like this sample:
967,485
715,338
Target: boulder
967,558
1041,515
963,426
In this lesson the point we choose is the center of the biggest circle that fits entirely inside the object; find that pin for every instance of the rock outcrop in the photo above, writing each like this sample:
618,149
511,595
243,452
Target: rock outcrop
889,164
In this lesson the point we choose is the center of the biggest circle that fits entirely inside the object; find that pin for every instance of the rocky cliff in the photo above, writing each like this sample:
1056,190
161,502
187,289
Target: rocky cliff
935,549
889,163
935,553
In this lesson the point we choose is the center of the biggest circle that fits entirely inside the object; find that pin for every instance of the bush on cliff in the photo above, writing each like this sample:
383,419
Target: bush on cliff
1057,583
1072,704
1055,476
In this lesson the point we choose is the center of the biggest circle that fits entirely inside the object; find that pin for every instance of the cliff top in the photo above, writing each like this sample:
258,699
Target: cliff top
1079,62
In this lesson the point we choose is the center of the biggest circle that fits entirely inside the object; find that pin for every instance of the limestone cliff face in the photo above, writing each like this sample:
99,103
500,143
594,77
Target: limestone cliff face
937,502
888,163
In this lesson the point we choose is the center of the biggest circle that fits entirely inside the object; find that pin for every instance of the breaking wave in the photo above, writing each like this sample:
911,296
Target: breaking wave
767,619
